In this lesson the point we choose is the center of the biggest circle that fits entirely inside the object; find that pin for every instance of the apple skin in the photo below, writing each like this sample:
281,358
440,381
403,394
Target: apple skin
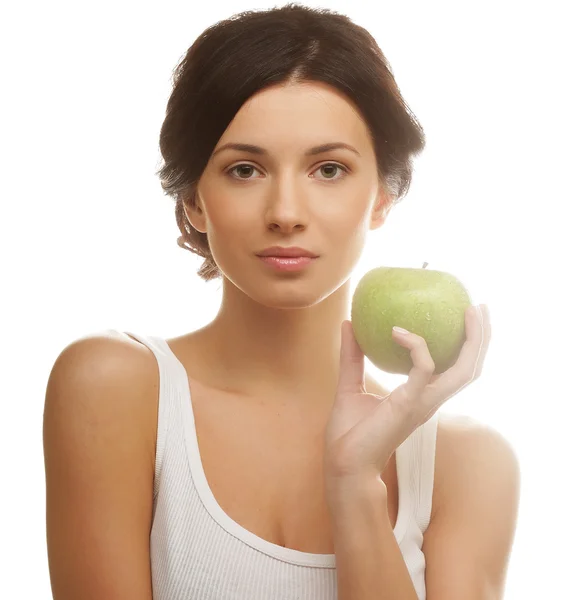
430,303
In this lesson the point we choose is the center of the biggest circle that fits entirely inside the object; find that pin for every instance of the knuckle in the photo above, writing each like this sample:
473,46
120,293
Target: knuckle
428,364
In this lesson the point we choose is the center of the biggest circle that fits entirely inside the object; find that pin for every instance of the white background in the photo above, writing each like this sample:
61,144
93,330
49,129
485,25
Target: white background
88,240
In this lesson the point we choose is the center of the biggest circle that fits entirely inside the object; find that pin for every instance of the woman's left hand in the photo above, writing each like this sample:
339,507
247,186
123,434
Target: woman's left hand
363,429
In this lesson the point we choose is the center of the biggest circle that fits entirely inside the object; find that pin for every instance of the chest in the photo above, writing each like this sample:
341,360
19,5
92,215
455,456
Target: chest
265,470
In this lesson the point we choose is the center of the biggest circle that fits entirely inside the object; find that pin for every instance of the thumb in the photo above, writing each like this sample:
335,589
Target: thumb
352,362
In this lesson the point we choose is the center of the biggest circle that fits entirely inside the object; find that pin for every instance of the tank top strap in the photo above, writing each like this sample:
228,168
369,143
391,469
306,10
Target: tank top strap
152,342
421,459
169,396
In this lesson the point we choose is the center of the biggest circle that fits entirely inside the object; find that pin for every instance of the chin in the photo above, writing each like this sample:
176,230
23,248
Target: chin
283,294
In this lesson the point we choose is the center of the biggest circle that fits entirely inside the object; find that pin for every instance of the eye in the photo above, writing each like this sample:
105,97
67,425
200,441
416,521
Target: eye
244,166
333,169
249,168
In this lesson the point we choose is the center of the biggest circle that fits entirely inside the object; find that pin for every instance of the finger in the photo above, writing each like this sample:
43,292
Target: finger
422,370
487,331
484,333
352,362
471,358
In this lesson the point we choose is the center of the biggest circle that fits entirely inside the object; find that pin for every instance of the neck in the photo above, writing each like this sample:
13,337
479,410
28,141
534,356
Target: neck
279,353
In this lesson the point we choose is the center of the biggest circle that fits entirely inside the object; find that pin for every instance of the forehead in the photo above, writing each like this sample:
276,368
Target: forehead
298,114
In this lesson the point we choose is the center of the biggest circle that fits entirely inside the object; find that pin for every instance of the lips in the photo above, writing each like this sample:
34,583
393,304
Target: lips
283,263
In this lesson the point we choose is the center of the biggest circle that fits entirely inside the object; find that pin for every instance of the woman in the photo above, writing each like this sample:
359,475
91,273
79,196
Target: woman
252,458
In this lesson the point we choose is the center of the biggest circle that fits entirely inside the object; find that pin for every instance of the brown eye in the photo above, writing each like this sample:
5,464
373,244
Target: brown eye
248,170
332,168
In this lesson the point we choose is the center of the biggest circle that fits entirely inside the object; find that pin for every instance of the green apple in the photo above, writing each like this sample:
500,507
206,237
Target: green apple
431,304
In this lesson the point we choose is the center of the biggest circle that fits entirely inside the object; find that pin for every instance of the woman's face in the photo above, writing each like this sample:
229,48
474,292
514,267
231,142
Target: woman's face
283,196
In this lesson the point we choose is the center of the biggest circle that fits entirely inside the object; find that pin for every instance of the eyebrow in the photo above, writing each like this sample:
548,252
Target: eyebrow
262,151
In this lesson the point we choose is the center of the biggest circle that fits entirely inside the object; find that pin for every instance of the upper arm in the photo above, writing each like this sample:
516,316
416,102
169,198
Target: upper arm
468,542
98,452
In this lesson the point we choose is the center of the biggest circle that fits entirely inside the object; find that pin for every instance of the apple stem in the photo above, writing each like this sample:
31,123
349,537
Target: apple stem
424,265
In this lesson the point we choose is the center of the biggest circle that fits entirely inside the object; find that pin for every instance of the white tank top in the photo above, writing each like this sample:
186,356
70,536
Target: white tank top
198,552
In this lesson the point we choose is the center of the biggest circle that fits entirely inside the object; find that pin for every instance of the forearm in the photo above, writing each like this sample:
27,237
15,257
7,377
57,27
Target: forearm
369,563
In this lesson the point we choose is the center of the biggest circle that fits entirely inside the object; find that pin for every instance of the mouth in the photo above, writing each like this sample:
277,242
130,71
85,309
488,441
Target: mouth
286,263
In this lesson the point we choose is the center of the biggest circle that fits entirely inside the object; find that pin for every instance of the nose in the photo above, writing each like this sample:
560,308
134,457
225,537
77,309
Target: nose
286,209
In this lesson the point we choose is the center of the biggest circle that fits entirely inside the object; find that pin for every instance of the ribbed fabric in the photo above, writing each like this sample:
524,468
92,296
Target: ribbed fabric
199,553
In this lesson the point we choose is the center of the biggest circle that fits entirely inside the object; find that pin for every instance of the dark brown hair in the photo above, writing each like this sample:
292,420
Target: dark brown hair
235,58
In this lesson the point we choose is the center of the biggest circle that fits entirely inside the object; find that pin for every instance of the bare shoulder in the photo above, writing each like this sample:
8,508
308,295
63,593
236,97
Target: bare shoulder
463,443
110,349
99,460
111,360
457,433
468,542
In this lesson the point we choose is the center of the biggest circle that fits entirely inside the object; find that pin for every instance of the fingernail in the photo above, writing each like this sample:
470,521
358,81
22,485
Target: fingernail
400,330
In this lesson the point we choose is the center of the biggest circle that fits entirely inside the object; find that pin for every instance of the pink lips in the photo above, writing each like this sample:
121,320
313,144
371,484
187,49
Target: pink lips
284,263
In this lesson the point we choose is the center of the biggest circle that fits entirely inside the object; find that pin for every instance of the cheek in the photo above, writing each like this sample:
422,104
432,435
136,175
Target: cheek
228,227
349,231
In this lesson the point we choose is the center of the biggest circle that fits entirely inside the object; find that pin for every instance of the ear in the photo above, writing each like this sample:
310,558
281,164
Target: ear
381,209
196,215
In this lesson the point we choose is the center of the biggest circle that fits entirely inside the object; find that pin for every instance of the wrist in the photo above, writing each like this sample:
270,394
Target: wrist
351,491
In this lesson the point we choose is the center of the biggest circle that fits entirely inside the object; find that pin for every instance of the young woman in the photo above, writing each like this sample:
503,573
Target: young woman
252,458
